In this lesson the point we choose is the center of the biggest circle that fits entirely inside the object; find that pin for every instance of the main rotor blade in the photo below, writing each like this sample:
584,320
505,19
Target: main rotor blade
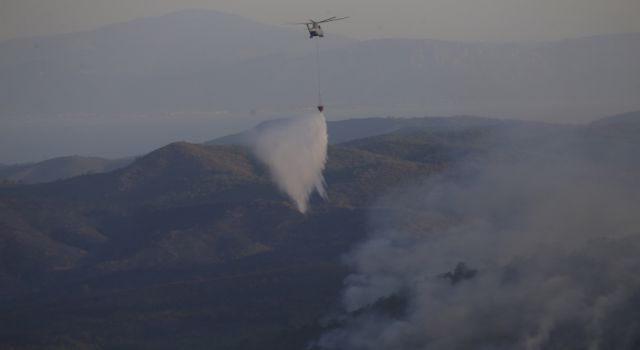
340,19
326,19
333,19
330,19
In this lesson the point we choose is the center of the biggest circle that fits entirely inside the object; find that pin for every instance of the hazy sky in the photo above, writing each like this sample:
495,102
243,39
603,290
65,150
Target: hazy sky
466,20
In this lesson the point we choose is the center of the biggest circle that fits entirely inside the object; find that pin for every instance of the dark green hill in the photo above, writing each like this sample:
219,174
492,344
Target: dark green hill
184,230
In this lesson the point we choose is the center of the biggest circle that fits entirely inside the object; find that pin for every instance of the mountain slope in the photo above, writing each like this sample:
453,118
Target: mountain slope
183,193
192,246
185,226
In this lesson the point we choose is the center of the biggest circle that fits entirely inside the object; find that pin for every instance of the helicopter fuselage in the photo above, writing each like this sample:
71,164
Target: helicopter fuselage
315,30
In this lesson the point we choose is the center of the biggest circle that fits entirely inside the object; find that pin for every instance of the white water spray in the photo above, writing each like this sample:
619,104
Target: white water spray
295,150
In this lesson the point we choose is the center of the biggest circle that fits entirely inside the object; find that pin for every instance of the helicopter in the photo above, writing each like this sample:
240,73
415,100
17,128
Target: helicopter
315,31
314,28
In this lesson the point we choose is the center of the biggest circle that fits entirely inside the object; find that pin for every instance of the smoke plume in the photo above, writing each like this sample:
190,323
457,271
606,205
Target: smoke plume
540,252
295,151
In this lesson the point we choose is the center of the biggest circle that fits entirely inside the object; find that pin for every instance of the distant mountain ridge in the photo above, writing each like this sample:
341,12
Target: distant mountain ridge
174,43
210,61
352,129
92,70
59,168
342,131
339,132
629,118
197,70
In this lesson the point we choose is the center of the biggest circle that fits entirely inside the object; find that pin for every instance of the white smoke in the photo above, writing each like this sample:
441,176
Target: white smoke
554,242
295,151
